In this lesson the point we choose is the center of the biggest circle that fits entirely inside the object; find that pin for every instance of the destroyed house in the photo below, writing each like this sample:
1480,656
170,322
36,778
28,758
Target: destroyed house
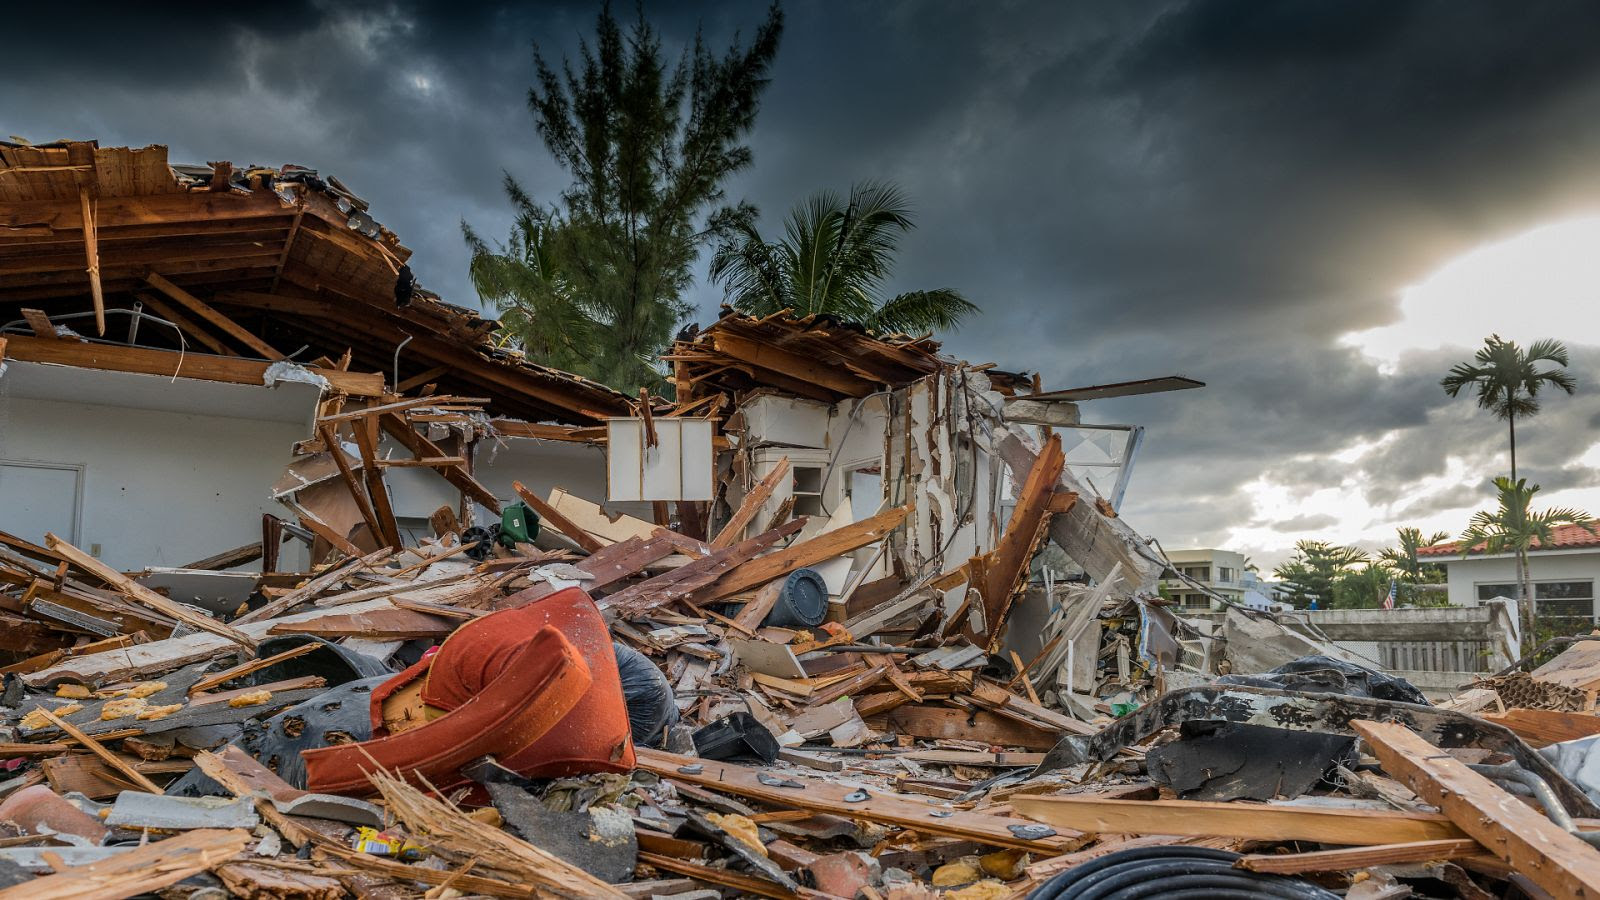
172,333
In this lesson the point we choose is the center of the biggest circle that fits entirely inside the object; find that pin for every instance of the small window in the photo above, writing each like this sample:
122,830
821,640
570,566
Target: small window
1491,591
1224,573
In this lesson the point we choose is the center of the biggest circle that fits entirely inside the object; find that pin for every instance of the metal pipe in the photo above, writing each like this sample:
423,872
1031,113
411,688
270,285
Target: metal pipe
396,383
1540,790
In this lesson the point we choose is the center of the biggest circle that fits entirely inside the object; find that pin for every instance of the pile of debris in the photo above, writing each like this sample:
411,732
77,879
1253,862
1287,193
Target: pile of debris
553,711
847,623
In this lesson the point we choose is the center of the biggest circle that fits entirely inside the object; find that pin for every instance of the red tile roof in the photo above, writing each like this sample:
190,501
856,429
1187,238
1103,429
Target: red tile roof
1567,537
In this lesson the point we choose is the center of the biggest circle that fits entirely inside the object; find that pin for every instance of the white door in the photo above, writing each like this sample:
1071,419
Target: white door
40,497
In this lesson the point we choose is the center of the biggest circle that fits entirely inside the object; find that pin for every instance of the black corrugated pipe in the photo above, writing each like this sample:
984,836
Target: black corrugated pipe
1175,871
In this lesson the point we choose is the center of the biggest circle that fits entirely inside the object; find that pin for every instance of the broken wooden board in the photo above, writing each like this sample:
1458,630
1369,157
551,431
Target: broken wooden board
1512,830
1543,727
733,532
1006,569
142,595
1350,858
879,806
1094,540
142,869
1255,821
554,519
823,547
163,656
943,723
390,624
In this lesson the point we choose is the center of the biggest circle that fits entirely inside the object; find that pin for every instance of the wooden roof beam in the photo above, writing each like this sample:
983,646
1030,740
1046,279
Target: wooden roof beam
205,311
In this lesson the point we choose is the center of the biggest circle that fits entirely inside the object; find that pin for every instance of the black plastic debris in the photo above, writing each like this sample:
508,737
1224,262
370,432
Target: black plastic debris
737,737
651,706
1326,675
1230,761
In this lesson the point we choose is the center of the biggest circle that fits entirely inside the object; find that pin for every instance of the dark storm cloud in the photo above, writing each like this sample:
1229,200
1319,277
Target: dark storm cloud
1218,188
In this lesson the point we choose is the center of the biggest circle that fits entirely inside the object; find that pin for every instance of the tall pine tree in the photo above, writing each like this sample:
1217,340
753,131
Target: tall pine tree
594,282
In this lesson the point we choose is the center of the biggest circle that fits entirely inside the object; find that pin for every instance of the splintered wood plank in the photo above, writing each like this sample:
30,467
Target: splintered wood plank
1253,821
137,871
746,885
315,586
111,759
91,247
330,440
142,595
1007,567
556,520
749,506
690,577
205,311
40,323
943,723
366,432
879,806
1348,858
821,548
1512,830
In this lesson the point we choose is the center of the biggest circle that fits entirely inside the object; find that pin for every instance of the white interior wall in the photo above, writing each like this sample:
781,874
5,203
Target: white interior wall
580,469
161,486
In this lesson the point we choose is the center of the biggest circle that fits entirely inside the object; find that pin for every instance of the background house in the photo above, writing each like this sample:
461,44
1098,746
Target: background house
1221,571
1564,573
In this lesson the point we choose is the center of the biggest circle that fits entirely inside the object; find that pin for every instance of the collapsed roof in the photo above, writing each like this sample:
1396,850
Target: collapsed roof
247,264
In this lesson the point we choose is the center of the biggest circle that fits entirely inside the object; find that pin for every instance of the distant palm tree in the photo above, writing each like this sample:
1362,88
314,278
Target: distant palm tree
1508,380
1514,528
1404,558
833,259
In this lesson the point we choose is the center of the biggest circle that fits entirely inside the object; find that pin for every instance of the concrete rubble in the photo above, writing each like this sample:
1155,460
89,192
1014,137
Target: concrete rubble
843,618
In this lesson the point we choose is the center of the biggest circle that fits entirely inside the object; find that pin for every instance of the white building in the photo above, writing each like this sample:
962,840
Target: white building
1563,573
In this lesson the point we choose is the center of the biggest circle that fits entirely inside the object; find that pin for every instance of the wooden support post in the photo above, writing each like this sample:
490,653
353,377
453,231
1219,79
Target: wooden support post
206,311
1531,844
142,595
91,246
1007,568
366,431
733,532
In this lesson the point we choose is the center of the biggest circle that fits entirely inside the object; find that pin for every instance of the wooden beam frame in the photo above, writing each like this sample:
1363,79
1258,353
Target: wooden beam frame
330,440
205,311
171,363
184,324
421,448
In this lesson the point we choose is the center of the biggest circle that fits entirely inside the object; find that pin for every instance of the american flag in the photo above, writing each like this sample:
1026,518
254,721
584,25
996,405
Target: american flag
1388,602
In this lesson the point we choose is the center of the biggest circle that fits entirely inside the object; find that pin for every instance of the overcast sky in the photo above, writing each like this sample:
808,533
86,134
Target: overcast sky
1235,191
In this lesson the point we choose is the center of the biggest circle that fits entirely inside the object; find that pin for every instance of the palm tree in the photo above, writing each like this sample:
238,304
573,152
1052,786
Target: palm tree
1508,380
1403,558
1515,528
834,257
